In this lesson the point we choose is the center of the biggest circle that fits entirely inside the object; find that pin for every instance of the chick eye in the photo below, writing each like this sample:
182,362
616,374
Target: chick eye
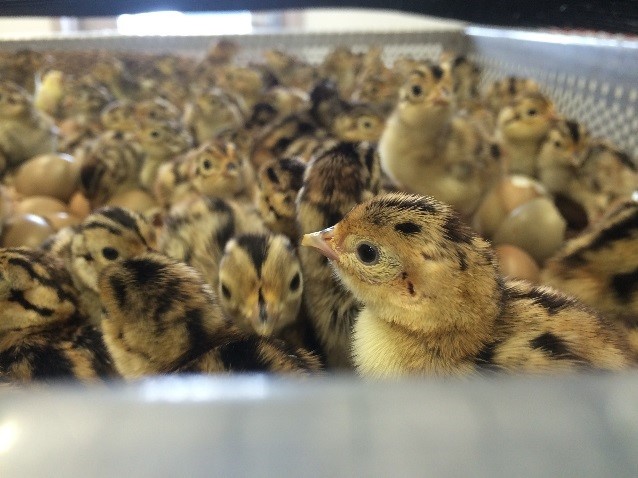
532,112
417,90
366,125
110,254
231,166
295,282
558,144
225,291
207,164
155,134
367,253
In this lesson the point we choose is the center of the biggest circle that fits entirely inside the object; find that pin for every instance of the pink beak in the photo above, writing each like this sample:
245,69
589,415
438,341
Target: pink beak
321,240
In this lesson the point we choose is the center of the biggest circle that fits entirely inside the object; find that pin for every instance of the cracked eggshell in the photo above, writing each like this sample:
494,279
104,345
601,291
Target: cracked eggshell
536,227
52,174
506,195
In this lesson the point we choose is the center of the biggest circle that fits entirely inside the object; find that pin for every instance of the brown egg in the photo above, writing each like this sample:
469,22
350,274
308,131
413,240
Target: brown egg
79,205
135,199
26,230
536,227
515,263
40,205
60,220
52,174
502,199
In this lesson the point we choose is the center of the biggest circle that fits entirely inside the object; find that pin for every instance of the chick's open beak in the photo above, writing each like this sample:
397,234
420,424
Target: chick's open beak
321,240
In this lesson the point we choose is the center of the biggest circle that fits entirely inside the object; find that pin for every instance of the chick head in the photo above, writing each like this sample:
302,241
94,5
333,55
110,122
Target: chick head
426,95
118,116
260,282
404,252
108,235
218,169
527,118
162,139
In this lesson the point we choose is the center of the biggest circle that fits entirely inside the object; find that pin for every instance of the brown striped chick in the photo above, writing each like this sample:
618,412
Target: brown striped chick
107,235
196,230
275,104
43,337
260,287
214,169
466,76
600,266
502,92
605,175
160,317
521,128
279,181
212,111
411,138
24,131
110,166
342,66
159,143
337,179
435,304
119,116
276,140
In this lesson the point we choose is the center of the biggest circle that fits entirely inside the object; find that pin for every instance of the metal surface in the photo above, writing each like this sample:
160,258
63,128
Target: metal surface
592,79
580,426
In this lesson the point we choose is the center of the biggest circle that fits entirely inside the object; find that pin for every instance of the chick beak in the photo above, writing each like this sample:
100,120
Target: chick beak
322,240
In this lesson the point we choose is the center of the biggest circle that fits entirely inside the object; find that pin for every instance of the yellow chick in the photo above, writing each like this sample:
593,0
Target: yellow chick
337,179
161,317
521,128
43,337
560,155
24,131
434,302
502,92
410,140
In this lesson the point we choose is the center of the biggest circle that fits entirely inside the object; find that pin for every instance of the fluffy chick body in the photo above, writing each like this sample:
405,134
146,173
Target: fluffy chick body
161,317
435,304
42,334
24,131
337,179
